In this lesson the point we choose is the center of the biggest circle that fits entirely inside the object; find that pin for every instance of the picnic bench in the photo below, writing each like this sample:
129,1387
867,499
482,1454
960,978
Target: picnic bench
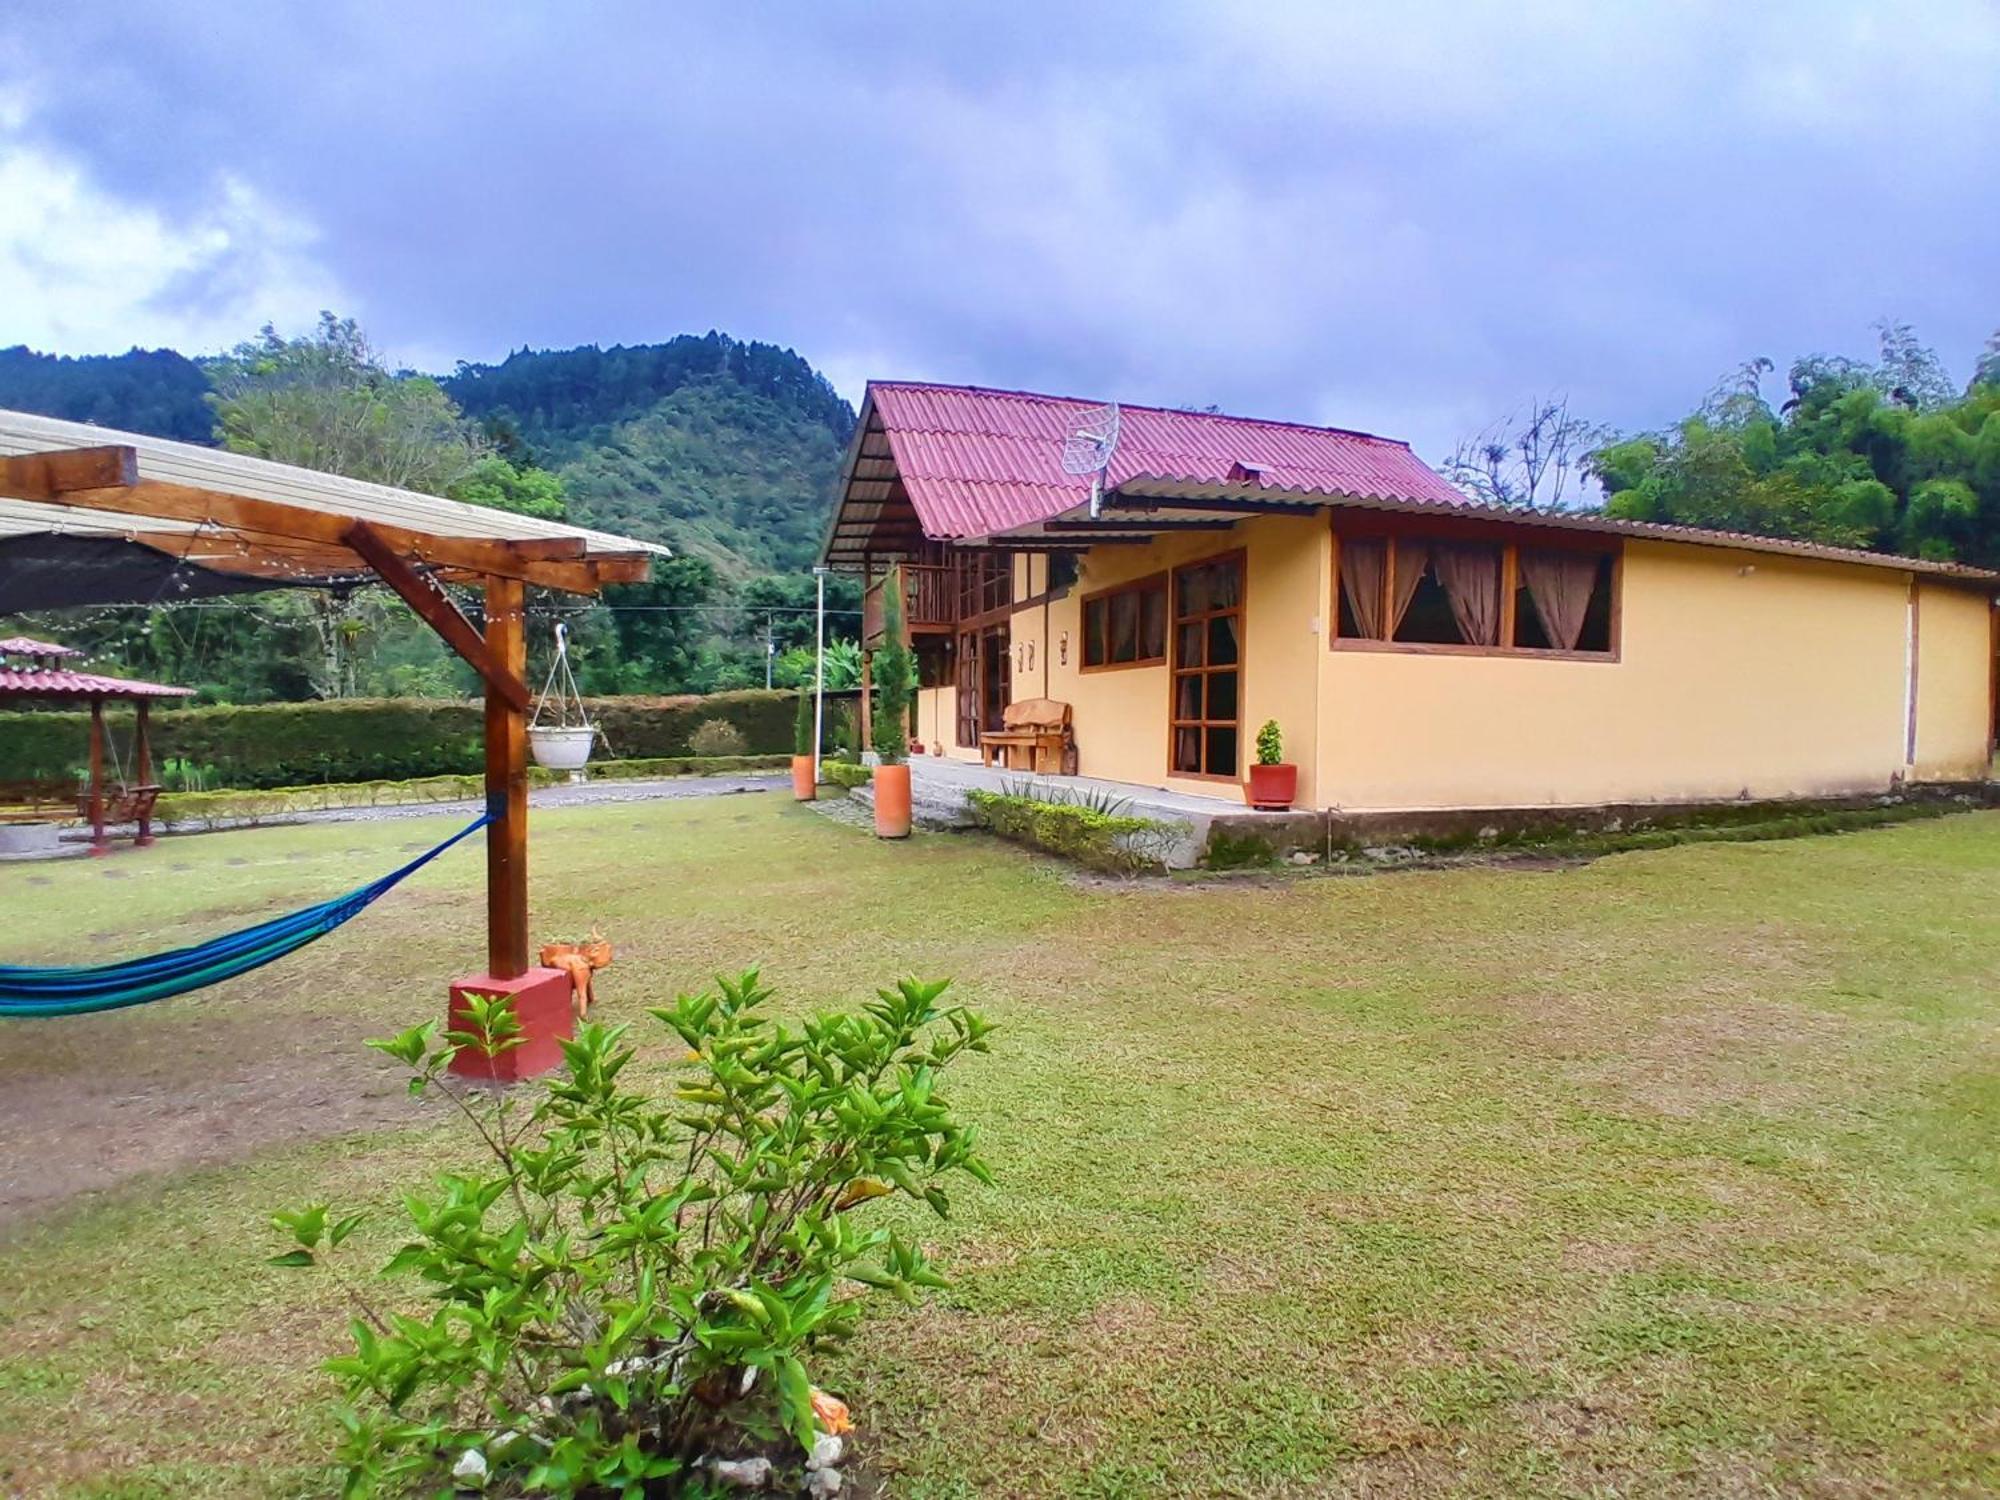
1034,735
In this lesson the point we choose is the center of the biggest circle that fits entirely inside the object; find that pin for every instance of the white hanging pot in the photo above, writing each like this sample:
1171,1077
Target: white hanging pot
562,749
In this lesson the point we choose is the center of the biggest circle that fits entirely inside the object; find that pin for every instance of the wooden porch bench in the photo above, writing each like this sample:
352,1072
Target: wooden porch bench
1034,729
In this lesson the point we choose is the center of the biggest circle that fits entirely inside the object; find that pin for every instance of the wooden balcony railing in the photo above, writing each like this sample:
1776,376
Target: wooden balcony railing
930,601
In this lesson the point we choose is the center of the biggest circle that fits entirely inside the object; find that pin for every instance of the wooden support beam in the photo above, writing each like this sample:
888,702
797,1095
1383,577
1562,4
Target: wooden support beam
506,787
436,610
50,476
246,514
1114,527
142,769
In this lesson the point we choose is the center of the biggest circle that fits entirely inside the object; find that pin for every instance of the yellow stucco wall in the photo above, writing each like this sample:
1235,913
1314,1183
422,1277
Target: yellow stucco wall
1739,673
1953,632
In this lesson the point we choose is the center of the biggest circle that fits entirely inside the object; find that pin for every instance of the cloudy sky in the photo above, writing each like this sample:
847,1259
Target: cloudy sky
1409,217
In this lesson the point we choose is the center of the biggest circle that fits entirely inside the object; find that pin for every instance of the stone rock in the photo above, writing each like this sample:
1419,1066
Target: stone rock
743,1473
470,1468
825,1453
1304,857
822,1484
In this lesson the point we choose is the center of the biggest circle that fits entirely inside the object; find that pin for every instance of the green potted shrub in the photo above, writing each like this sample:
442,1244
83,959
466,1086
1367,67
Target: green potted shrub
894,669
1274,782
804,782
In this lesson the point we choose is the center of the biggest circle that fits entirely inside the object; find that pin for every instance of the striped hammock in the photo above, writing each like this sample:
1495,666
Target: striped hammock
27,991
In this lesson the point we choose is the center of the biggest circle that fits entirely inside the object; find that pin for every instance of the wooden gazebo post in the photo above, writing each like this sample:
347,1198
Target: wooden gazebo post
98,843
142,769
506,787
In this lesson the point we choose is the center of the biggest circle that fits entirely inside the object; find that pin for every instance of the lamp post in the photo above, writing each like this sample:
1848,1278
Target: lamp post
819,666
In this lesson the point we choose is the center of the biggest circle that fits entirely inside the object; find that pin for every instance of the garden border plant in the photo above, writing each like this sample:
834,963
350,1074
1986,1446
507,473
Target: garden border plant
629,1292
1097,835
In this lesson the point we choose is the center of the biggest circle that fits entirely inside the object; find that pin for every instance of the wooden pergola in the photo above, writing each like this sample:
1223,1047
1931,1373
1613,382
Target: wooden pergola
91,516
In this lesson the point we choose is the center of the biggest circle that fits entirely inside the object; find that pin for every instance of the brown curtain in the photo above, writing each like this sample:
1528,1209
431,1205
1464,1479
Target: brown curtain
1361,563
1410,560
1470,573
1561,584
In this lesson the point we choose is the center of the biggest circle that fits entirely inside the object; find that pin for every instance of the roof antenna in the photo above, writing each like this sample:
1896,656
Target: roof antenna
1088,450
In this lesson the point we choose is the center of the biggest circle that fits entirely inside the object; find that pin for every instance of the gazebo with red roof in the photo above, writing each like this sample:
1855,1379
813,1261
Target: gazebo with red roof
31,669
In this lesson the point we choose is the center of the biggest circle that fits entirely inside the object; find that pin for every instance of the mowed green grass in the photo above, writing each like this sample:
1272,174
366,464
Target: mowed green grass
1673,1174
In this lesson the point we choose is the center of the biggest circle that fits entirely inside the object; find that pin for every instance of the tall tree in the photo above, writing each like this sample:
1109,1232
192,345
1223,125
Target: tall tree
1528,461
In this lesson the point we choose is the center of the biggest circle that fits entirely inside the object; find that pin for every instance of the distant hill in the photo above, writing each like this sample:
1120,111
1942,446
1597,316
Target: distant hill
153,391
725,449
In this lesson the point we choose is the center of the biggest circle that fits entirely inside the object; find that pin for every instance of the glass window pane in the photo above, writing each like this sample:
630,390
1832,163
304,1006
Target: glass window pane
1187,651
1187,697
1153,623
1194,591
1187,749
1221,752
1226,584
1124,627
1222,695
1222,640
1093,633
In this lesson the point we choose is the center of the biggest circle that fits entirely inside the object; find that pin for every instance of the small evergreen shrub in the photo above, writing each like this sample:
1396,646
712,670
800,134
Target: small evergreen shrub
1113,842
802,724
631,1287
895,670
714,737
1270,745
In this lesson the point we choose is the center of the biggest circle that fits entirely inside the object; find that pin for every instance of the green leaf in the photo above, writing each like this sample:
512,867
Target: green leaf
292,1258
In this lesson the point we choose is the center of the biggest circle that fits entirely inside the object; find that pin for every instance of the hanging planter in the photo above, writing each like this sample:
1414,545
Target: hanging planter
560,735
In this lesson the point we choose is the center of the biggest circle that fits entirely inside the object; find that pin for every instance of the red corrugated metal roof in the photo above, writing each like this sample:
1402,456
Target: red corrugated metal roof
978,461
21,645
58,684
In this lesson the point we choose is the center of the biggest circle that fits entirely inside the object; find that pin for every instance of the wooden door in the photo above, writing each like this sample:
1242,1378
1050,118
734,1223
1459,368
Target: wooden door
1205,709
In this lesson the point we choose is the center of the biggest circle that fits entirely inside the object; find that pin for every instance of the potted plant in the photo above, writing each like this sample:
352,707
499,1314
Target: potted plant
804,782
893,670
1273,781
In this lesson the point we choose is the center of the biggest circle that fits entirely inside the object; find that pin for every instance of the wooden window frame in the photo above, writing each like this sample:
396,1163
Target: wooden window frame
1241,610
1162,580
1510,555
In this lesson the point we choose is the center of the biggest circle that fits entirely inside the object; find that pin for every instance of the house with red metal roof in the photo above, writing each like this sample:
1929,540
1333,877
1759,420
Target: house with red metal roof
1416,650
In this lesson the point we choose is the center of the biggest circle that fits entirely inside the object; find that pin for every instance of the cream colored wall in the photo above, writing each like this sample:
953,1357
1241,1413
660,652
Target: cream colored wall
937,721
1120,714
1953,714
1740,674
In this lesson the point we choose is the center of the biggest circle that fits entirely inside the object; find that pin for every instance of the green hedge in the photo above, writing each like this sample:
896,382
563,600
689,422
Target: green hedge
303,744
845,773
1092,837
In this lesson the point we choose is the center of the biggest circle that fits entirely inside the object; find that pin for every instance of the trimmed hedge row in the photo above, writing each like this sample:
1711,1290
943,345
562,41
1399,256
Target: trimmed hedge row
397,739
1098,840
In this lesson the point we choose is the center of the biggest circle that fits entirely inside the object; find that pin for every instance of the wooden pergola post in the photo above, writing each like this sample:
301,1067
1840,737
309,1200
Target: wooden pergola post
98,844
506,786
142,770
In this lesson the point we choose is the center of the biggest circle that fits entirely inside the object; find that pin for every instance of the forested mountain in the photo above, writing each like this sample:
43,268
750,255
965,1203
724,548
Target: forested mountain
727,450
154,391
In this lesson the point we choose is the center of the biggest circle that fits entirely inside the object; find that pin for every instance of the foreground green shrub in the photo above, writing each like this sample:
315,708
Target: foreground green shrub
1093,836
632,1286
845,773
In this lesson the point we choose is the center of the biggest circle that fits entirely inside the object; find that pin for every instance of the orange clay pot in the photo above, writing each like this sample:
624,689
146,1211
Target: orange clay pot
1272,787
892,802
803,789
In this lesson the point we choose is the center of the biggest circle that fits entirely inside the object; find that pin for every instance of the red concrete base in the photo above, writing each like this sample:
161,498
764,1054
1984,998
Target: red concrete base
541,1004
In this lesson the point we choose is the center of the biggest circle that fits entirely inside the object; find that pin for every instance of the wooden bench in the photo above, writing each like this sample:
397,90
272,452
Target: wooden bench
1034,735
35,801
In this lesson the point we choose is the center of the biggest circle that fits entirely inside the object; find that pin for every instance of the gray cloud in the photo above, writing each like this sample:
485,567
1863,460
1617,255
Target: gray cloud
1409,220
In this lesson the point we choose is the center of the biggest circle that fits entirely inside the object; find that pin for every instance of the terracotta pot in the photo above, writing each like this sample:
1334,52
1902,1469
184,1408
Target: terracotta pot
1272,787
892,802
803,787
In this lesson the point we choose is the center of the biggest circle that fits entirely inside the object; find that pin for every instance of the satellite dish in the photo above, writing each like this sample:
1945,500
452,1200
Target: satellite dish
1088,449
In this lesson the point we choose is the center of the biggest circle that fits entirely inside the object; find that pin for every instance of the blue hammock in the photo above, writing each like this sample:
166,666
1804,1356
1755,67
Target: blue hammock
67,992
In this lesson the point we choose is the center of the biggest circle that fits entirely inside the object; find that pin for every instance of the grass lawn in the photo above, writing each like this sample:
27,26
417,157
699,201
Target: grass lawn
1674,1174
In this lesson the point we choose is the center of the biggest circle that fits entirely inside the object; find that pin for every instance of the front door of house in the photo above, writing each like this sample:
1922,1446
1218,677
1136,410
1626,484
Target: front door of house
983,682
1205,735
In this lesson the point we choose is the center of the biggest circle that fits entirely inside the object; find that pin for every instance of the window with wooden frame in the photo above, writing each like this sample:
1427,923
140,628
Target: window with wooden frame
1205,728
1444,593
1126,626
